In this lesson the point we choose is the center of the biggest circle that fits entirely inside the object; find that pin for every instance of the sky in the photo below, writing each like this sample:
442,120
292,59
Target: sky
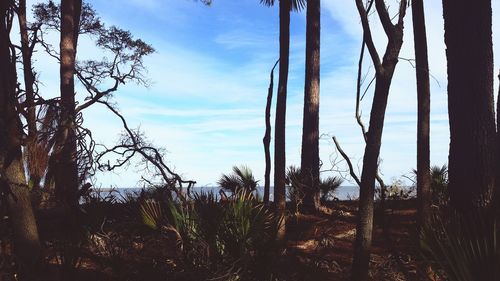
209,78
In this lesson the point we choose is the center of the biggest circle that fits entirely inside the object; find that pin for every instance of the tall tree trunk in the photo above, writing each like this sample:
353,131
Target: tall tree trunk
66,174
364,228
267,137
279,127
424,108
472,159
496,192
384,73
310,127
29,77
29,82
12,178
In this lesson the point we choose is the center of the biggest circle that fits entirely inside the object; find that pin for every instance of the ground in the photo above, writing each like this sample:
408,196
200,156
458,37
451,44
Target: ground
319,247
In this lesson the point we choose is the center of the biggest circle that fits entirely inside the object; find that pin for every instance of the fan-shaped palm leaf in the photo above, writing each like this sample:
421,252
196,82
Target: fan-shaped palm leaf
328,186
241,178
295,5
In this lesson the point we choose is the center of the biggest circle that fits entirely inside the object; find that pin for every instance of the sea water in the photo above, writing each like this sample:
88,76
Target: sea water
347,192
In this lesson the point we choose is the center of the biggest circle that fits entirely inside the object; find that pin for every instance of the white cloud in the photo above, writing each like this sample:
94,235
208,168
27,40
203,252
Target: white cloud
207,108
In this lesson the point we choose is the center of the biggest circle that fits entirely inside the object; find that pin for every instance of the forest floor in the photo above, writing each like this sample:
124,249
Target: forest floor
322,244
319,247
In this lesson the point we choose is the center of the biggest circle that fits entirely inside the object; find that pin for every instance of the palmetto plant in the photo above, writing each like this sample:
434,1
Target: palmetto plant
234,236
241,178
296,187
439,185
36,153
464,246
295,5
328,186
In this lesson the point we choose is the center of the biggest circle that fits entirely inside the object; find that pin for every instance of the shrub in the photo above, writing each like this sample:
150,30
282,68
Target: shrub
328,187
439,185
230,238
296,187
241,178
464,247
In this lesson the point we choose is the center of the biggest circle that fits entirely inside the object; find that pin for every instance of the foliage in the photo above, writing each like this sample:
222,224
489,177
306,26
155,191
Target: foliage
296,187
241,178
151,213
328,187
439,185
295,5
229,238
464,246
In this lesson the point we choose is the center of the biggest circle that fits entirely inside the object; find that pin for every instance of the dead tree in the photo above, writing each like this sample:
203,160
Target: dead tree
359,120
384,70
267,137
133,143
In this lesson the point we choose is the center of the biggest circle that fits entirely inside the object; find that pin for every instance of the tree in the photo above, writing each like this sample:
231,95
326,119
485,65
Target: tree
66,171
285,6
28,74
384,71
310,129
267,137
122,62
12,177
424,107
472,158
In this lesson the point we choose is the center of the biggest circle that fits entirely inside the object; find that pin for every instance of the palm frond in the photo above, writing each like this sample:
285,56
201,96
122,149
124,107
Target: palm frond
151,213
328,186
241,178
464,247
295,5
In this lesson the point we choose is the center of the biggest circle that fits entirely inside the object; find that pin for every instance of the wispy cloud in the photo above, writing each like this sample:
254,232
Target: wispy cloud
211,73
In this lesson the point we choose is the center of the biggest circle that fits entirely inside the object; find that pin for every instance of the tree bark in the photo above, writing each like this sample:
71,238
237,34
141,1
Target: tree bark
29,77
310,127
12,178
66,173
496,192
279,127
424,107
267,137
362,246
383,79
472,158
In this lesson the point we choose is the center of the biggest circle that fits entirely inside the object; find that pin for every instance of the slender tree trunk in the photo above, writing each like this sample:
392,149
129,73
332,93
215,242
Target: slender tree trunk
424,108
472,158
66,174
12,179
310,127
29,77
29,81
279,136
362,246
383,79
267,137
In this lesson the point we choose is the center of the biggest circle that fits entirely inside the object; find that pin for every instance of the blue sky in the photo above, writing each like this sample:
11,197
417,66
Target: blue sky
209,79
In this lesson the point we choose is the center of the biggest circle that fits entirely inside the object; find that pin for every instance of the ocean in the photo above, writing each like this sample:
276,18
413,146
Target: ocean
346,192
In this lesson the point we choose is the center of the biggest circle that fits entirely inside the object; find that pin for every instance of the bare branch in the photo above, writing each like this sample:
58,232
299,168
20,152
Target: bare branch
367,36
133,144
346,158
385,19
